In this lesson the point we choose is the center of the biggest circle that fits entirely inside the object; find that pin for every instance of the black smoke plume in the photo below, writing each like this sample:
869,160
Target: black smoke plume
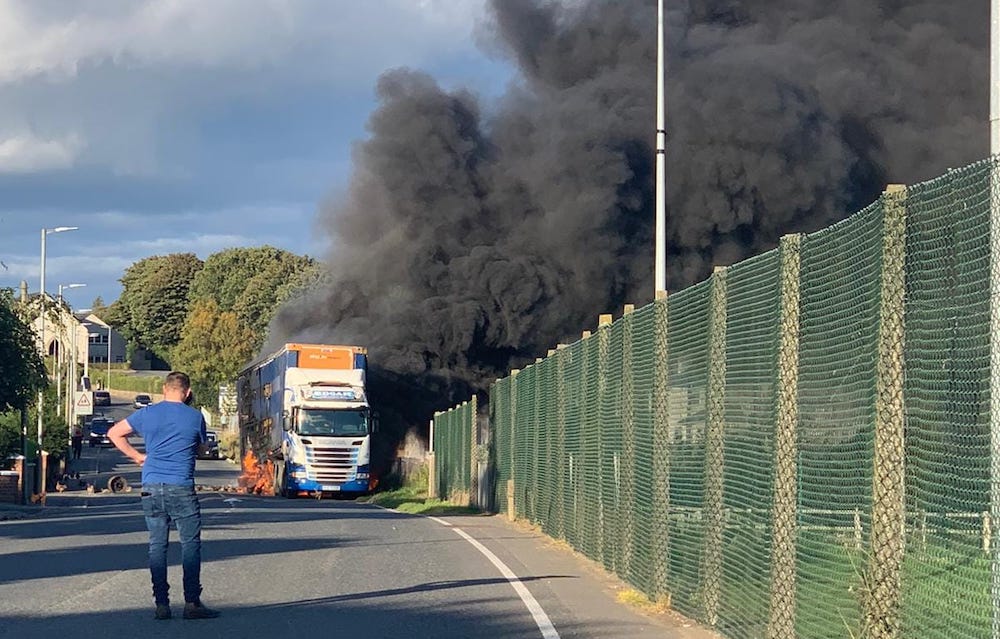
473,237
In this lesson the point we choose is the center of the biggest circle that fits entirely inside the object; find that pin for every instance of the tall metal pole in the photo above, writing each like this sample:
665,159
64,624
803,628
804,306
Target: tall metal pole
59,350
107,384
40,482
995,310
661,152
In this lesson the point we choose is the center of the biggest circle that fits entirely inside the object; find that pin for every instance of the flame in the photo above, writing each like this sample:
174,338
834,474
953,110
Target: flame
257,478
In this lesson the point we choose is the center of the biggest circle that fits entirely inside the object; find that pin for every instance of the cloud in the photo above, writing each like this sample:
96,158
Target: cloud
27,153
40,39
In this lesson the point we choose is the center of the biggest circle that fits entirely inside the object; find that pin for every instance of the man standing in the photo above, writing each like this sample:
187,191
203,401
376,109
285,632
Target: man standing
77,441
172,431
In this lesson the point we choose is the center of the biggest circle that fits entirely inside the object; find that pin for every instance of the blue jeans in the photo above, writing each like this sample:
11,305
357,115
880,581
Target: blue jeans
162,504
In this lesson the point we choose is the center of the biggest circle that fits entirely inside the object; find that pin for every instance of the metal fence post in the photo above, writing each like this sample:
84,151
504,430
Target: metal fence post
432,469
995,341
513,482
715,450
473,426
781,622
603,472
627,506
661,455
883,597
559,498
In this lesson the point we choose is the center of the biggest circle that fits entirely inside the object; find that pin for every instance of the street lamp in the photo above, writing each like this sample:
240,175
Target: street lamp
41,395
59,355
107,384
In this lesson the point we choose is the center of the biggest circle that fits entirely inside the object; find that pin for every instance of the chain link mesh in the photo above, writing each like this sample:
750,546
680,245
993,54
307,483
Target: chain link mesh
800,447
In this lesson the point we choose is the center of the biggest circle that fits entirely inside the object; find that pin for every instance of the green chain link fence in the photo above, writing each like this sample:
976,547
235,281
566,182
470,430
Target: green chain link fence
798,447
453,442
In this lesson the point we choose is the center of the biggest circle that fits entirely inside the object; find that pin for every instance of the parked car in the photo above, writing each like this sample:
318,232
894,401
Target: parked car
99,427
142,400
210,449
102,398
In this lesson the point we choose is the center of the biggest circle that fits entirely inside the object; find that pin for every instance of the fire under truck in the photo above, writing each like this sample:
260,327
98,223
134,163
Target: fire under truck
305,423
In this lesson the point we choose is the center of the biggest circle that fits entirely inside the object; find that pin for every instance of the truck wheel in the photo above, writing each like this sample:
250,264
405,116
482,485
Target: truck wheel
281,481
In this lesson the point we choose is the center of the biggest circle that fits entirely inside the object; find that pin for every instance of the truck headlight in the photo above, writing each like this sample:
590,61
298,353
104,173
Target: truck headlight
362,476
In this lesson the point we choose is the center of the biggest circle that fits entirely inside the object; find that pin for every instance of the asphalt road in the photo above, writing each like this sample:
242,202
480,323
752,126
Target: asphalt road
275,567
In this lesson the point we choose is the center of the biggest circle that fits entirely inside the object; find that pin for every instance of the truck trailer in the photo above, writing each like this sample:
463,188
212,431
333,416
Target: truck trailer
305,422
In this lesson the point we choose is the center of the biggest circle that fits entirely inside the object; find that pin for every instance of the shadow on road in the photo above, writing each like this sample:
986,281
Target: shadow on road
380,620
42,564
81,515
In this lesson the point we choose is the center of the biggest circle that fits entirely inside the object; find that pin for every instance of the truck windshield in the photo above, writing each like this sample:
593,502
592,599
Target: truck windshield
338,423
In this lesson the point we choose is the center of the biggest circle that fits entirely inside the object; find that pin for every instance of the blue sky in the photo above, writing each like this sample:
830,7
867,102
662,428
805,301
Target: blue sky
160,127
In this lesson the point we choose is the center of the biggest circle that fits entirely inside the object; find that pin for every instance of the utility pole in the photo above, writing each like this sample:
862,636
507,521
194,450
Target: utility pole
661,152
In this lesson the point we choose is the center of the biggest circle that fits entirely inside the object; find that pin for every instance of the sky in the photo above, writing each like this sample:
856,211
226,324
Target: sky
192,126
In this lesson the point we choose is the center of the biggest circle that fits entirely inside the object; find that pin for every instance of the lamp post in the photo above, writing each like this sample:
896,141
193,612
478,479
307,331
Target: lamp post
70,403
45,351
59,354
107,384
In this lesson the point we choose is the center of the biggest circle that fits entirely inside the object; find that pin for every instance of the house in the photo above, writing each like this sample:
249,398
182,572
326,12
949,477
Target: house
68,335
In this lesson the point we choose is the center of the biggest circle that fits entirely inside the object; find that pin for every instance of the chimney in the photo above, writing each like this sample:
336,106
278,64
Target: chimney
24,291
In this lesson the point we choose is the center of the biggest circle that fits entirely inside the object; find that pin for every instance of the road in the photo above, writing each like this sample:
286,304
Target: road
276,566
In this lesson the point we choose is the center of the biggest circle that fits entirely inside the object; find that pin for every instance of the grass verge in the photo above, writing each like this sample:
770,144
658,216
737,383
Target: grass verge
413,500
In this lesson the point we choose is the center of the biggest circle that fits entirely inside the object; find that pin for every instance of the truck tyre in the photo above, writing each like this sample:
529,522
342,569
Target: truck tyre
281,481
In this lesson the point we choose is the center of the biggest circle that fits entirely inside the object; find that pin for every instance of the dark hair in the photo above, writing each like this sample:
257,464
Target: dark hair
178,380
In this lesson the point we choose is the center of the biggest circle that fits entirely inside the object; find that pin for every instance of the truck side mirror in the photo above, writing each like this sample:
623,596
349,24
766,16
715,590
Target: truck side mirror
286,421
375,422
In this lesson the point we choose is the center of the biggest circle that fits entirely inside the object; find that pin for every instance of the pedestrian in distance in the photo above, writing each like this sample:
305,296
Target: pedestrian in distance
172,431
77,441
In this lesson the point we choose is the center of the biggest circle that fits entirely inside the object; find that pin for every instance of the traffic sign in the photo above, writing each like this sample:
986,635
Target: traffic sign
84,403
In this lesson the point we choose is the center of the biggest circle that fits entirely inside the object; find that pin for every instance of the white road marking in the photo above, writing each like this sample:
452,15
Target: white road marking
537,613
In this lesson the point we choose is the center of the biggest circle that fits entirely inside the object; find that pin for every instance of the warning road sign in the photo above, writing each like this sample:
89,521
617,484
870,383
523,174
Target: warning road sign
84,403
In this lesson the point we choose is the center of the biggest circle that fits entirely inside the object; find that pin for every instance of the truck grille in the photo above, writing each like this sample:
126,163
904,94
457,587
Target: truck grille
331,464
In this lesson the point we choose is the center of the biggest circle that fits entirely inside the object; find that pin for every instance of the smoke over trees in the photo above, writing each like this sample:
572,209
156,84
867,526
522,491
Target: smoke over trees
475,236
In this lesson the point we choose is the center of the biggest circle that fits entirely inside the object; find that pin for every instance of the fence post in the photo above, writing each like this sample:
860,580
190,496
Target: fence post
715,449
781,622
995,371
559,510
627,504
473,427
603,347
661,454
882,604
512,483
432,471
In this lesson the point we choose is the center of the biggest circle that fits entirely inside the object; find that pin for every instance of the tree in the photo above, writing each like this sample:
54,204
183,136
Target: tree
22,371
99,308
252,282
153,304
214,347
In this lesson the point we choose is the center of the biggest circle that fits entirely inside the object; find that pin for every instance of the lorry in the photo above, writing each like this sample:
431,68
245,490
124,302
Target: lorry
304,421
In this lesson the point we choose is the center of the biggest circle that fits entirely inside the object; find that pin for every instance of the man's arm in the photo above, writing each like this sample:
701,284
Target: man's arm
118,435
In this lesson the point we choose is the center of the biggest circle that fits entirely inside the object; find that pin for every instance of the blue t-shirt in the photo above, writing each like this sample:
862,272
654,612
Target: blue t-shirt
172,432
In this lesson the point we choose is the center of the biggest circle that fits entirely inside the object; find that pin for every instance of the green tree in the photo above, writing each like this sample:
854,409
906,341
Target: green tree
153,304
252,282
22,372
99,308
214,347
